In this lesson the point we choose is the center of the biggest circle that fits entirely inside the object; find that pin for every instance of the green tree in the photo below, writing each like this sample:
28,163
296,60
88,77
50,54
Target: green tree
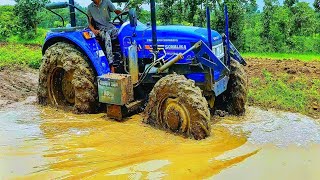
268,11
236,22
166,11
144,16
280,28
252,31
26,11
217,20
236,10
191,9
316,5
8,22
304,19
290,3
137,4
178,11
48,19
251,7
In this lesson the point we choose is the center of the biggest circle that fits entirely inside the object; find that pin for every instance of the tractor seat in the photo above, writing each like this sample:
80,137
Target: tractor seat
67,29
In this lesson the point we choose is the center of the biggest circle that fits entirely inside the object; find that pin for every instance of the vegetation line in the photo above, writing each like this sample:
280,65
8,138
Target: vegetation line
307,57
301,95
13,54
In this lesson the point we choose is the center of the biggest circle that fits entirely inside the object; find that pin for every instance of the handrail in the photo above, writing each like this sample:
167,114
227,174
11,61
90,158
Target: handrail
57,15
60,5
56,5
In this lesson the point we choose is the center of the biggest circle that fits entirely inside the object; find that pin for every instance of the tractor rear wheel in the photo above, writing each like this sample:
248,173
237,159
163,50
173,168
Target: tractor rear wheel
177,105
234,99
66,80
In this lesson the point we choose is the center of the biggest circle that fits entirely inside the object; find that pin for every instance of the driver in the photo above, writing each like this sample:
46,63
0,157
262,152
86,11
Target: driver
99,11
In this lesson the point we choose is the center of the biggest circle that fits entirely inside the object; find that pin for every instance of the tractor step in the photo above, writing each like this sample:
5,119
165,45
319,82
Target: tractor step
119,113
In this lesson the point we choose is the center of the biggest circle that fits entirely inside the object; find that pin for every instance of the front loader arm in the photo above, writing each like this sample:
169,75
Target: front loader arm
206,57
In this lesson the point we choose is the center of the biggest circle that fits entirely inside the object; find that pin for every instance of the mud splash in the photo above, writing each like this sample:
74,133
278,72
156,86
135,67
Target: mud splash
47,143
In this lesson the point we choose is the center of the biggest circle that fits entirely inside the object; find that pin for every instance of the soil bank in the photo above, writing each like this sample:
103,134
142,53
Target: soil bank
17,84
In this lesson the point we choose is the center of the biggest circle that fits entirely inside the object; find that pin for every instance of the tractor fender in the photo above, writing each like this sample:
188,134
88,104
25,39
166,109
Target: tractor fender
88,47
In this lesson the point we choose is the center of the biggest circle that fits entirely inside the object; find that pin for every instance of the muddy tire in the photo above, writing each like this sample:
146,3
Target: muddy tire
234,99
66,80
177,105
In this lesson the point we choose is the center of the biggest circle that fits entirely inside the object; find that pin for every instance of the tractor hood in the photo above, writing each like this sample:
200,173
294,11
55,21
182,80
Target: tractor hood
186,33
173,39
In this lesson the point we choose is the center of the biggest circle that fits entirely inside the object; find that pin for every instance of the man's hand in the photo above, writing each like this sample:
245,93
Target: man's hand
95,32
117,12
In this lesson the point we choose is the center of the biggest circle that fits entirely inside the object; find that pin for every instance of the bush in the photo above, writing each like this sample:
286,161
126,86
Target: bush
27,13
20,55
37,39
305,44
7,22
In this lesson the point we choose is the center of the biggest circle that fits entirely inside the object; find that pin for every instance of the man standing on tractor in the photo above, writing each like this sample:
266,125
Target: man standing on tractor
99,12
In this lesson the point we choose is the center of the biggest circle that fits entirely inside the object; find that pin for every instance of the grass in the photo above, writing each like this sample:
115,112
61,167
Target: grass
283,56
20,55
38,40
298,94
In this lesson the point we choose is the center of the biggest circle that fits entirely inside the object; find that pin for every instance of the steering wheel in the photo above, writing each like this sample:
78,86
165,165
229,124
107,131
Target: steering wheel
120,17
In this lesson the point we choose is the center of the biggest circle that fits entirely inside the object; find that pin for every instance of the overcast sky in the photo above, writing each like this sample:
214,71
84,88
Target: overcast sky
87,2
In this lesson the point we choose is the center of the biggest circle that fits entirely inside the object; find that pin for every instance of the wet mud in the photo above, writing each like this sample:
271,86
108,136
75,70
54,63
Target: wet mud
45,143
17,84
39,143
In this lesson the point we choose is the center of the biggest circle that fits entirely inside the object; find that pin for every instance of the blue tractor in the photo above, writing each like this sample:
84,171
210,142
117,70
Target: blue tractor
176,74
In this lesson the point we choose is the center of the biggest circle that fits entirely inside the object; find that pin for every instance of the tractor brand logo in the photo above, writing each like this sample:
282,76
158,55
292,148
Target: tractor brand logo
176,47
167,47
215,38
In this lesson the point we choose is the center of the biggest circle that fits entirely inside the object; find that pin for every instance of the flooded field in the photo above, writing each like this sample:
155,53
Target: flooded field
37,142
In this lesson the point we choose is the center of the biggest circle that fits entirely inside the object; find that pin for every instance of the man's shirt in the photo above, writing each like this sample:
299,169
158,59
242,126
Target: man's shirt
101,14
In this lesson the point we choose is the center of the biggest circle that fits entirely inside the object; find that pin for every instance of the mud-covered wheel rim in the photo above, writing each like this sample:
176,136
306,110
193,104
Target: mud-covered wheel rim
66,80
176,105
67,87
175,115
61,89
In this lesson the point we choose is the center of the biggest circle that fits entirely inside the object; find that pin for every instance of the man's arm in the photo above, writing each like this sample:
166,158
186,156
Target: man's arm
112,8
96,32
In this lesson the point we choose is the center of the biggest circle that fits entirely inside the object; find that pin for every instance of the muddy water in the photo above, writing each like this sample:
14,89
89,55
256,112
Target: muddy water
40,142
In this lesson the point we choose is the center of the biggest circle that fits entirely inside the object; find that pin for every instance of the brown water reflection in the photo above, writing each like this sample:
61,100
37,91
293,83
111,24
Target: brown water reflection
46,143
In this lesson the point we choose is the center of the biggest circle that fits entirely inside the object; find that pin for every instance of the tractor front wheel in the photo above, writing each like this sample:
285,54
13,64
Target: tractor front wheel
66,80
234,99
177,105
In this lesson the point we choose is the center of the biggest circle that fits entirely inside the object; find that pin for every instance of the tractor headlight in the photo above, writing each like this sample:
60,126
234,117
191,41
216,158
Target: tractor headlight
218,50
